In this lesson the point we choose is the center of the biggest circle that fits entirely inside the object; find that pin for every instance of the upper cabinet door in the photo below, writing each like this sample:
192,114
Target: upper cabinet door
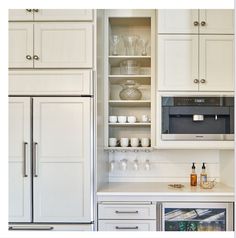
177,21
19,160
20,45
62,187
216,63
63,15
177,62
20,15
216,21
63,45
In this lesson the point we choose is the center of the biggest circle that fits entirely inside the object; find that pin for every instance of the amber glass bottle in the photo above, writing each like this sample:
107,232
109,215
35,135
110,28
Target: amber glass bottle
193,176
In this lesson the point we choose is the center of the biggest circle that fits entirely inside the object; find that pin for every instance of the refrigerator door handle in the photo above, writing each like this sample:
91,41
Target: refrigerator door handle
35,174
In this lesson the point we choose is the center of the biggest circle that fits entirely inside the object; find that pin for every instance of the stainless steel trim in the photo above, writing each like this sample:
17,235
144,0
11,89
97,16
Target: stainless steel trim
25,160
35,228
126,227
126,212
210,137
159,217
35,174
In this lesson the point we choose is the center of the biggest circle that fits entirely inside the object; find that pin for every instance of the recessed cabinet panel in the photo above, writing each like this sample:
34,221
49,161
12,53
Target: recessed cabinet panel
216,21
177,21
20,45
177,62
20,15
217,63
53,82
64,15
62,185
19,160
63,45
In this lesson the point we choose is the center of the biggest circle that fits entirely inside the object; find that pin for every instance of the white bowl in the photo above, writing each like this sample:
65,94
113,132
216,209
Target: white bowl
122,119
131,119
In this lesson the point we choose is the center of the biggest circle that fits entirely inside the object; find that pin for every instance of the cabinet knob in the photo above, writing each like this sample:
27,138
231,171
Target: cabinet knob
196,80
28,57
28,10
203,81
35,10
203,23
36,57
196,23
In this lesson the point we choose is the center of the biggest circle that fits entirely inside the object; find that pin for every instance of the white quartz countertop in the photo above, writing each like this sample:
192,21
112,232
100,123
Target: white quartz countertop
161,191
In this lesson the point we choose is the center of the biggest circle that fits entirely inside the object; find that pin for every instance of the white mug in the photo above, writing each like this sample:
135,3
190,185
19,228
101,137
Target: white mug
144,118
124,142
134,142
123,164
147,164
122,119
131,119
112,142
136,166
144,142
113,119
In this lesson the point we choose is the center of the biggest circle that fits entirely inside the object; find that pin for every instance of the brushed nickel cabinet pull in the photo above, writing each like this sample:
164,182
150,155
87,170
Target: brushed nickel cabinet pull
126,227
126,212
196,80
35,160
28,10
34,228
25,160
203,81
36,57
36,10
203,23
195,23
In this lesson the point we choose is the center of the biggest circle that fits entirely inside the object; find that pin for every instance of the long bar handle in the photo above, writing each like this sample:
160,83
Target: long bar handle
126,227
35,228
25,160
128,212
35,159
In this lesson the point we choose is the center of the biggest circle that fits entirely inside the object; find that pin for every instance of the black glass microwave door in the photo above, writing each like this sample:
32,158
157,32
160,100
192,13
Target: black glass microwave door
199,219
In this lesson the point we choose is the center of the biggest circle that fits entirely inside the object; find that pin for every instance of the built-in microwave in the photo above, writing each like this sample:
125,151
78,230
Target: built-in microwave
197,118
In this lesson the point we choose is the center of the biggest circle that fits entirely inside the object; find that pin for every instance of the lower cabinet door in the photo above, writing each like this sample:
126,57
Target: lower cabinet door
127,225
62,159
19,160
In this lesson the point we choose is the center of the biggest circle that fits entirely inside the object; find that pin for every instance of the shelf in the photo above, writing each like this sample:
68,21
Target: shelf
115,60
140,79
130,124
129,149
130,103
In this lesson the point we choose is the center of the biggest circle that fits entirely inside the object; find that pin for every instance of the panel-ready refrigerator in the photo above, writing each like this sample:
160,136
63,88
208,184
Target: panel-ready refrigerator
196,216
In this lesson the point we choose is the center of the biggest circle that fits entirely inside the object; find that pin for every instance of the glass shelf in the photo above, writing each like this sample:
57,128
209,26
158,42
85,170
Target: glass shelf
130,103
130,124
129,149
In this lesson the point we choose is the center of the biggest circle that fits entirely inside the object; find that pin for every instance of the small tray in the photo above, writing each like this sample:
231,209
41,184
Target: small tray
176,185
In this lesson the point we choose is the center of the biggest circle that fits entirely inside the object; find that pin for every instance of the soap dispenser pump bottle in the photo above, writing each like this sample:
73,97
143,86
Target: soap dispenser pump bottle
193,176
203,175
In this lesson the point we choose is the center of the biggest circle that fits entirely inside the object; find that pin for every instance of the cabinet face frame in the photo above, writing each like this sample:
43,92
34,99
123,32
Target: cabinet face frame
20,165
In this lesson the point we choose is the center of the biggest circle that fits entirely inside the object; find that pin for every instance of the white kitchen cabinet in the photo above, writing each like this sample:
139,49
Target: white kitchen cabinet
189,21
19,160
50,14
21,14
51,82
216,64
177,21
195,63
51,45
20,45
177,62
62,159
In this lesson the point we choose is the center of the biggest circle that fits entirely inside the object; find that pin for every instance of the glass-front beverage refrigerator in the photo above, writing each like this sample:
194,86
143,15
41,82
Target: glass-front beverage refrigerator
197,216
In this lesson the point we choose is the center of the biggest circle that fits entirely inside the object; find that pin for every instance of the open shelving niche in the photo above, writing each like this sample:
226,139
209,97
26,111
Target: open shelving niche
143,26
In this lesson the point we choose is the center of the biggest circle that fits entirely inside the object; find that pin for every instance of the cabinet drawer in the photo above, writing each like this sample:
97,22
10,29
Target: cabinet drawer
126,225
50,82
129,211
